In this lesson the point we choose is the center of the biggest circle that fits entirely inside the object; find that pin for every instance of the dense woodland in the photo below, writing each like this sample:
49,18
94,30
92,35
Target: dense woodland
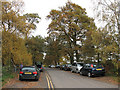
72,36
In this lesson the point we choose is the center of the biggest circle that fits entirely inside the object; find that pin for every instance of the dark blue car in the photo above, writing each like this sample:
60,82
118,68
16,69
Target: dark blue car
92,70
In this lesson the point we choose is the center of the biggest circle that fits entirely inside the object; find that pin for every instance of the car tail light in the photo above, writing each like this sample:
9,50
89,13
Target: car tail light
92,65
34,72
21,72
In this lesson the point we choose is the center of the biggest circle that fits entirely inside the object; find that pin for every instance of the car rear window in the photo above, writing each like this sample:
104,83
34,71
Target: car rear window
69,65
96,66
81,64
28,69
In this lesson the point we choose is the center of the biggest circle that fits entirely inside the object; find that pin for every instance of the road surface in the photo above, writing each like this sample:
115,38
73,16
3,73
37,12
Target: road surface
66,79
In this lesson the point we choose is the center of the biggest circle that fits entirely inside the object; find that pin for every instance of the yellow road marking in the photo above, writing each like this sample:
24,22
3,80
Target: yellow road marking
48,83
51,85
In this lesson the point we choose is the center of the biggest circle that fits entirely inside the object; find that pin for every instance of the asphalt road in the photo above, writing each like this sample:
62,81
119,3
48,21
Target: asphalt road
66,79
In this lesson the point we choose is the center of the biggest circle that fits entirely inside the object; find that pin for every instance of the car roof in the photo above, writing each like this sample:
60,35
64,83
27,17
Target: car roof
29,66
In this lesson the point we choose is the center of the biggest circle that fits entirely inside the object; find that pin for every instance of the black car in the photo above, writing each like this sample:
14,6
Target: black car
92,70
40,68
29,72
67,67
49,66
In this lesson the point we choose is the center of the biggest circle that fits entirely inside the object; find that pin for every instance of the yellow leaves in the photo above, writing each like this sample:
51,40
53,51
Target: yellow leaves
14,47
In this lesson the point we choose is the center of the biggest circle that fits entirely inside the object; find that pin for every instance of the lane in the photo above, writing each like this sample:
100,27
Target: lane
63,79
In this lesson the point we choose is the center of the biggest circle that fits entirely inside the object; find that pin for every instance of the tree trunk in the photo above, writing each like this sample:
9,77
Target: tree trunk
71,58
98,57
77,57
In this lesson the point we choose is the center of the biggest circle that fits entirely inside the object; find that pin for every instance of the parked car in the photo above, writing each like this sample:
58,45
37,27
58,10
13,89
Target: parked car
49,66
67,67
62,67
92,70
40,68
29,72
52,66
57,66
76,67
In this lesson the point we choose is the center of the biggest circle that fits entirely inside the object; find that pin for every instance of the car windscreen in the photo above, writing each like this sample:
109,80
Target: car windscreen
28,69
39,66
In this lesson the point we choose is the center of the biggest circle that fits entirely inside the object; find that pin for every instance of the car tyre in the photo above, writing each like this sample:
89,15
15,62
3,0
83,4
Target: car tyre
89,74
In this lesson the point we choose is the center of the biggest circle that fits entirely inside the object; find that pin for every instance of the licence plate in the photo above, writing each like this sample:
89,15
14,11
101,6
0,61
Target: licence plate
28,73
98,69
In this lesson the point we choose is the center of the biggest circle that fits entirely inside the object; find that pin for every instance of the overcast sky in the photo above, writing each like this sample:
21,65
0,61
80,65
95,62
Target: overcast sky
43,7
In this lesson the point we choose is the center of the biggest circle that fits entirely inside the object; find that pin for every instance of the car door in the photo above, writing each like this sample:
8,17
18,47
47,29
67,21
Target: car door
87,69
84,70
75,67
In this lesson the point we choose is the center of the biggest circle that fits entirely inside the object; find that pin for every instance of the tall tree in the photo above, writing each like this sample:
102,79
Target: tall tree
14,27
71,22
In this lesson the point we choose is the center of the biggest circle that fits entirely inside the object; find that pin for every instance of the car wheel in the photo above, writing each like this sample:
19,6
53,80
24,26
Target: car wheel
89,74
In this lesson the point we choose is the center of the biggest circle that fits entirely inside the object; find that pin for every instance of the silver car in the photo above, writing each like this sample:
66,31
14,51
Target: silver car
76,67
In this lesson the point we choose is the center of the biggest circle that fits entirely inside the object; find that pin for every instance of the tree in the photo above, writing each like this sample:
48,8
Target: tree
35,46
54,49
72,23
31,19
15,27
14,51
14,22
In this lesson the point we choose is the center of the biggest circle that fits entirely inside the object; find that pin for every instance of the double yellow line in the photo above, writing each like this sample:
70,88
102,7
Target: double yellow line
50,84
